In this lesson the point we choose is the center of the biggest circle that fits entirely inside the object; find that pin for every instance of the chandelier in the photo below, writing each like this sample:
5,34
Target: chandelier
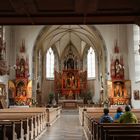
3,65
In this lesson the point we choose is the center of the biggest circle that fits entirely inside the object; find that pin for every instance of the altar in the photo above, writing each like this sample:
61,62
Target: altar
116,106
71,104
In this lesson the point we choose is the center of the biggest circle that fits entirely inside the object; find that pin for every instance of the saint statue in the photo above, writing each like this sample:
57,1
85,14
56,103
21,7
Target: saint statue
118,68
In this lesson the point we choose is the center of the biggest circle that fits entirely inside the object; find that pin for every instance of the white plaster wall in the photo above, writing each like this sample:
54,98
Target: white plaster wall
110,34
134,85
4,79
29,34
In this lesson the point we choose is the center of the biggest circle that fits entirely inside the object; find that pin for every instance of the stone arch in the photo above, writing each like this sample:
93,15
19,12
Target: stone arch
50,35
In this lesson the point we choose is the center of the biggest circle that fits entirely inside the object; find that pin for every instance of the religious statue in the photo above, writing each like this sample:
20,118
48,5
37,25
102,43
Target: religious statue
106,103
23,96
118,68
70,80
118,90
101,94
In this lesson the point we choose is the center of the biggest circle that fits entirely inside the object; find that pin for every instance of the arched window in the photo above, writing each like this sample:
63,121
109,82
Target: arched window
91,63
50,64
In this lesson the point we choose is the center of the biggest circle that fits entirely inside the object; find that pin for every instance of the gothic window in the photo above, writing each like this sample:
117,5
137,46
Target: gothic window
136,32
50,64
91,63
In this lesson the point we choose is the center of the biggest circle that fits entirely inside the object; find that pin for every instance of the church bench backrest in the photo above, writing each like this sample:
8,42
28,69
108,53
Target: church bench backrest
117,129
35,116
89,118
121,134
52,115
32,117
24,110
12,129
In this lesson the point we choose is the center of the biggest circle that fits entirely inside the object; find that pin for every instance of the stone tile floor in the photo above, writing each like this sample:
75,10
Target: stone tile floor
67,127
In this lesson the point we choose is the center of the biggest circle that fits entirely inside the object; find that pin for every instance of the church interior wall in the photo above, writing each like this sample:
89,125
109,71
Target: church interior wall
4,79
29,34
110,33
134,85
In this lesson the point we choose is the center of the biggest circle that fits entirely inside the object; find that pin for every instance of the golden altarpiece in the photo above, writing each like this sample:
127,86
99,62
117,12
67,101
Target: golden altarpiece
20,89
118,88
71,81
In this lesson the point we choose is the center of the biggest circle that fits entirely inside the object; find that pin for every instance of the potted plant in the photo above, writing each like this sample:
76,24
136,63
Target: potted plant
51,97
89,97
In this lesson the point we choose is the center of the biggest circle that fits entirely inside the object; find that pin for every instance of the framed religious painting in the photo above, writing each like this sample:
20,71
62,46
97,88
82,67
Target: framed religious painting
136,94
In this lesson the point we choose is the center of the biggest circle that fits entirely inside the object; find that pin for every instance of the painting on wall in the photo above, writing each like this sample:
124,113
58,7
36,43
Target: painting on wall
136,94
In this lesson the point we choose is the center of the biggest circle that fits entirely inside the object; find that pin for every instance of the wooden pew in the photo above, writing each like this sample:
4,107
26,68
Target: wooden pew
11,130
118,131
35,118
52,115
90,117
18,118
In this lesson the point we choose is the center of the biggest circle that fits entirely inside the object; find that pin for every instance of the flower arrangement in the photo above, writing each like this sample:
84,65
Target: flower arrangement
21,101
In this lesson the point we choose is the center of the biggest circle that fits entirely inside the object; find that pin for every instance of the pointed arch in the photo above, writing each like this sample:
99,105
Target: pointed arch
51,35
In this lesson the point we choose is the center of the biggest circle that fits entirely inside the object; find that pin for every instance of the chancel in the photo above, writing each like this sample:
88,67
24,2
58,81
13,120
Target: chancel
63,64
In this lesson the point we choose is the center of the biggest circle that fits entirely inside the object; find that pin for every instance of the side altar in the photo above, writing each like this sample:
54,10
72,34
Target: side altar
119,89
20,88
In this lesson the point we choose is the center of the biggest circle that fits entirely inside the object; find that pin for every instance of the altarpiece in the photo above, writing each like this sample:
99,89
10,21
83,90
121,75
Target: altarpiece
20,89
118,87
71,80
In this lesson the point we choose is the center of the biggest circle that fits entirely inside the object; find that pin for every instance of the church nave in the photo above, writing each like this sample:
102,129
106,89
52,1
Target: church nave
67,127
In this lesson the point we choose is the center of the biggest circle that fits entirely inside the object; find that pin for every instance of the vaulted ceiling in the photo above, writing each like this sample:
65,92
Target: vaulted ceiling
63,36
69,11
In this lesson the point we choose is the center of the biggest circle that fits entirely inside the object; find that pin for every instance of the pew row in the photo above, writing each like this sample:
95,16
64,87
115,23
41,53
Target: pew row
116,131
33,120
89,117
53,114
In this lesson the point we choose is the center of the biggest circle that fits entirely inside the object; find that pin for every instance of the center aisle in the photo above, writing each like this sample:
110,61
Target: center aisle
67,127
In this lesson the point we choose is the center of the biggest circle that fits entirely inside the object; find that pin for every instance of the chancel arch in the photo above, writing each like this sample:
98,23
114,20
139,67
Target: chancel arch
62,38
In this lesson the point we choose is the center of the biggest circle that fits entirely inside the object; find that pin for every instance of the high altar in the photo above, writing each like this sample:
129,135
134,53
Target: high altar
71,80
